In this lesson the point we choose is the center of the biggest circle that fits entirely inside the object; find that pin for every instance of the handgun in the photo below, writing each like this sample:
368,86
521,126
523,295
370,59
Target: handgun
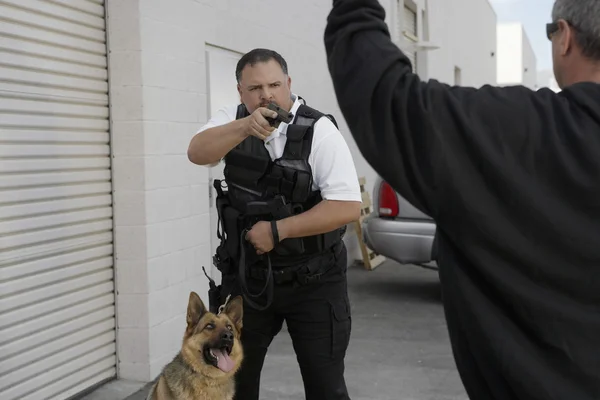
282,115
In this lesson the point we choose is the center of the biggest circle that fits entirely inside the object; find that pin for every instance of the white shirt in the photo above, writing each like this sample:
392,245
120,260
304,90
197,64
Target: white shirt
334,173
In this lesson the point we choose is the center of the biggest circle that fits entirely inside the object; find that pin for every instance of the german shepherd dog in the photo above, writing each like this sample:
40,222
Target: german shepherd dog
211,354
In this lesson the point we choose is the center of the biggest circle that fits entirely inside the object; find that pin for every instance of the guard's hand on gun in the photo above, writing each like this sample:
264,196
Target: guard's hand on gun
261,237
257,125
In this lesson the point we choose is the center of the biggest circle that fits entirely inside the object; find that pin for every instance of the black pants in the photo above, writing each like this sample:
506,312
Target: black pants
318,319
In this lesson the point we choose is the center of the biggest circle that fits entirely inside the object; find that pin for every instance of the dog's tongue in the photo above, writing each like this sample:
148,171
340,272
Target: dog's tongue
224,363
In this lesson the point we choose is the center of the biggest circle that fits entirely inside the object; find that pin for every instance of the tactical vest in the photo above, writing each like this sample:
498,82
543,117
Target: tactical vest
259,189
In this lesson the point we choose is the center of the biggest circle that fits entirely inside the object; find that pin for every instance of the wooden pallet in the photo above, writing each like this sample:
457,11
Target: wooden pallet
371,260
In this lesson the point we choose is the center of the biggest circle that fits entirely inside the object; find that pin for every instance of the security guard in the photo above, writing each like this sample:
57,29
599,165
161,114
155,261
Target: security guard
290,188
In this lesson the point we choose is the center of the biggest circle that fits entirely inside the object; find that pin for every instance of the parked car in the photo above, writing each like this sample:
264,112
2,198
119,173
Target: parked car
398,230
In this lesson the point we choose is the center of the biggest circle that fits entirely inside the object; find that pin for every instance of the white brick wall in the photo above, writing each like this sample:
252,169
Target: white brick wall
158,92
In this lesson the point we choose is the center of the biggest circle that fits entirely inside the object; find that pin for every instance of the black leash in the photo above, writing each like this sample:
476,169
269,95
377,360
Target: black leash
269,286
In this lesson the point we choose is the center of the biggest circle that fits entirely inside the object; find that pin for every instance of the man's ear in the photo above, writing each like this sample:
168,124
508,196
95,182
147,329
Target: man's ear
567,39
195,311
235,311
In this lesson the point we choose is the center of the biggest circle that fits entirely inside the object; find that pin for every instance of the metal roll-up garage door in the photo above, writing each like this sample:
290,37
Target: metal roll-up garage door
57,314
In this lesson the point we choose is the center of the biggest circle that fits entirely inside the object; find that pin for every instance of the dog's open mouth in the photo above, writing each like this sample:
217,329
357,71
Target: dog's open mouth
219,357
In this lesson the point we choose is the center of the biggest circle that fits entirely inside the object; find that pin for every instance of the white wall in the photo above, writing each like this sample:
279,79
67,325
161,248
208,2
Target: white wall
529,63
159,98
510,53
517,63
158,92
453,24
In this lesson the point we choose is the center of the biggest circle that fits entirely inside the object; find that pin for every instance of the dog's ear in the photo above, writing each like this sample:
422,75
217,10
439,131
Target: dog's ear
195,311
235,311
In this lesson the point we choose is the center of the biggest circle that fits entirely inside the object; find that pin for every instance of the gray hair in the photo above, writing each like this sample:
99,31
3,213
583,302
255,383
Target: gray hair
584,16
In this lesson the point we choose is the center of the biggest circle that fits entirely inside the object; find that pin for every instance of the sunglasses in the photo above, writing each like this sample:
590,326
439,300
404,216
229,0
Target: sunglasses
551,29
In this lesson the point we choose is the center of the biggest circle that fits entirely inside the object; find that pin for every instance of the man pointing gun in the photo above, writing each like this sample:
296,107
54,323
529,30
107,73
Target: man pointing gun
291,190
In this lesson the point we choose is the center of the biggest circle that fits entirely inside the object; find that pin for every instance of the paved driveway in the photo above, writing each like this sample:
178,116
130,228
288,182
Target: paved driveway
399,348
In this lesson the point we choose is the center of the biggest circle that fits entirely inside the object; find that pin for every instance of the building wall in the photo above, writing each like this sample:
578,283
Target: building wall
510,54
158,89
465,31
517,62
159,98
529,63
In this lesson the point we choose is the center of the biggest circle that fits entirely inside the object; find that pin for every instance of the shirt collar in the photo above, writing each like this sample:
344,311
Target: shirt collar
282,128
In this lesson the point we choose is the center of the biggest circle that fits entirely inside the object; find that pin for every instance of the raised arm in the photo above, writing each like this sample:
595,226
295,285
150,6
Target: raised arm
419,136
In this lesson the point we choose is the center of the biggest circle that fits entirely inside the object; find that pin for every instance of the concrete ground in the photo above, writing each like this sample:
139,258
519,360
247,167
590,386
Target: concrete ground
399,348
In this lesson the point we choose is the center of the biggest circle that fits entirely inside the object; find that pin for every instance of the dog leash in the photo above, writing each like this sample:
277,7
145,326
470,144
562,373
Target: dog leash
269,286
222,306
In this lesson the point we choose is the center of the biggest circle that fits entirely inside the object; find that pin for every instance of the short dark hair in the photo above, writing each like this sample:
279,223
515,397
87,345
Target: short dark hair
256,56
584,16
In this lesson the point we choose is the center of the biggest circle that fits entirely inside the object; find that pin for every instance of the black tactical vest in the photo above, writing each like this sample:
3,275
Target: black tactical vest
259,189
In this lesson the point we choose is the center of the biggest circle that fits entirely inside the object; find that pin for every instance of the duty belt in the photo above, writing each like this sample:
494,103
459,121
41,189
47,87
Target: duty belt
285,275
304,273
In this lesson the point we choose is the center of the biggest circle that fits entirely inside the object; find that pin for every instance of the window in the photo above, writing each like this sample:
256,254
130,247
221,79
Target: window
407,21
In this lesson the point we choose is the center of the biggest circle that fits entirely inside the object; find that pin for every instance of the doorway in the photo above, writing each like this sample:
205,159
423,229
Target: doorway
221,86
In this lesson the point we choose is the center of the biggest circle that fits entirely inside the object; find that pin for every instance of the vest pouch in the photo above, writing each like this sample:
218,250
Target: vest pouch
303,187
231,222
290,247
245,169
240,196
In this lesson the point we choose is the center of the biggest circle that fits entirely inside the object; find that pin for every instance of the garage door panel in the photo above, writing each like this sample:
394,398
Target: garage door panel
41,224
53,39
78,12
32,121
56,106
36,89
8,181
53,150
34,137
47,293
57,309
75,84
49,263
70,384
22,210
36,63
81,384
68,351
53,164
39,351
46,193
48,51
101,359
39,238
95,8
17,323
23,254
53,28
59,275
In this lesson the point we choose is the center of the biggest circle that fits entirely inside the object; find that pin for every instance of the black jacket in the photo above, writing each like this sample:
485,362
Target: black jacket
512,179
